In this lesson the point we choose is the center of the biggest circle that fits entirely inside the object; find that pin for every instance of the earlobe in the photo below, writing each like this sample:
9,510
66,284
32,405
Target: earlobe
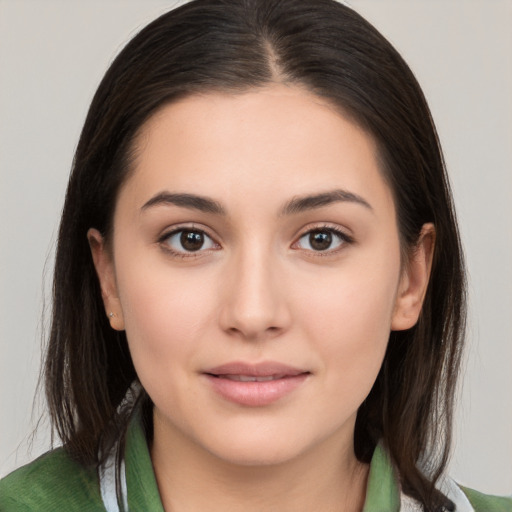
103,263
414,282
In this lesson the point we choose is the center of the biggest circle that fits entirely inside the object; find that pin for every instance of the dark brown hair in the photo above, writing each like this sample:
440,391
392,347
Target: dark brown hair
235,45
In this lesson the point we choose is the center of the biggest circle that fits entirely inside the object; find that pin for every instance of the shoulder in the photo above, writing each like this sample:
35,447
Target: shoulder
487,503
52,482
469,500
464,499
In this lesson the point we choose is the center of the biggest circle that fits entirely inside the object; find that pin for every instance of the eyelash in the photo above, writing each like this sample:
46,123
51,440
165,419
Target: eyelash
186,254
342,237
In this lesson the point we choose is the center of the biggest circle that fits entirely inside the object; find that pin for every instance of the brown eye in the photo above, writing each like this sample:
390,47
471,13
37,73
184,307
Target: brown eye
320,240
192,240
188,240
323,240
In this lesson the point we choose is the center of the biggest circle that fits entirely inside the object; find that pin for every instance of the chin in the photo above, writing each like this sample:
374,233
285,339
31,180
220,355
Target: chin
256,455
259,447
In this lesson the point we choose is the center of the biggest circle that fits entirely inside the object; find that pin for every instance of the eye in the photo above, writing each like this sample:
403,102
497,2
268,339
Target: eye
323,240
188,240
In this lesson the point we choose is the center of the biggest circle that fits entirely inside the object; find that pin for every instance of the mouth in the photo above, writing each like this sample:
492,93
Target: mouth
255,385
251,378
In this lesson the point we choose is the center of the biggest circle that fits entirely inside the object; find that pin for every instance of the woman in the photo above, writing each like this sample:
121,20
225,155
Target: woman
259,289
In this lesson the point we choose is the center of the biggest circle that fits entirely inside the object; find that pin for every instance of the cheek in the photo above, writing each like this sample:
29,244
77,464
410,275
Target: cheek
166,313
359,297
348,314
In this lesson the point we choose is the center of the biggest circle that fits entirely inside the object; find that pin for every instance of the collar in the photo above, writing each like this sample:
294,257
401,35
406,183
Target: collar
139,489
140,478
382,490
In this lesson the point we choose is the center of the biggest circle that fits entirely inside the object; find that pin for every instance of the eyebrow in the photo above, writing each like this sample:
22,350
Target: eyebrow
294,206
191,201
310,202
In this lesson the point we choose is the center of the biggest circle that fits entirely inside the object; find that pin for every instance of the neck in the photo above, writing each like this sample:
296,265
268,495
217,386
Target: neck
190,479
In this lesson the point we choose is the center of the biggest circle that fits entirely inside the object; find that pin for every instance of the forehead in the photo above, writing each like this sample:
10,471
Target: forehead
274,138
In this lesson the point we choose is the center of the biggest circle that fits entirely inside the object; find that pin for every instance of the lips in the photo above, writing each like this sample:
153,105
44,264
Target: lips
255,385
252,378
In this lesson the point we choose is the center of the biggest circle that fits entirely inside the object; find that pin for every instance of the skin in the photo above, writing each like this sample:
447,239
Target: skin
258,291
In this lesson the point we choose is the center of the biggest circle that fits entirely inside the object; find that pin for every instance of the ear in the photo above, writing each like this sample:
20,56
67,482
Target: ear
414,281
104,265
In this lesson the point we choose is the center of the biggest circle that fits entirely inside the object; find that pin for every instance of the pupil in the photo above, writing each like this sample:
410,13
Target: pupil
192,240
320,240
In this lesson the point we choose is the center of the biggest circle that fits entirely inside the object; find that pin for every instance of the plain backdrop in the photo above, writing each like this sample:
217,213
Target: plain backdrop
53,54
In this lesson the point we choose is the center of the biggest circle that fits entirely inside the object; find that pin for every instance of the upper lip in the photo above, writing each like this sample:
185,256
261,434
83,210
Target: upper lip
263,369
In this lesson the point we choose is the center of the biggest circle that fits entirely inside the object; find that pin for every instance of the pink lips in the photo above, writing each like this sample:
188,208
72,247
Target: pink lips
254,385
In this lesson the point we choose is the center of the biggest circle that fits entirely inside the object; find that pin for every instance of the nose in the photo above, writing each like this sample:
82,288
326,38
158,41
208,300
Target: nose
254,305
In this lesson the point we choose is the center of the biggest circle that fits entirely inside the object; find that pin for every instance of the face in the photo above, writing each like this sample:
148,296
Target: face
255,267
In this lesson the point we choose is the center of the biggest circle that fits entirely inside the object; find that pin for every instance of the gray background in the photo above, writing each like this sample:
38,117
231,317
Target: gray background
53,54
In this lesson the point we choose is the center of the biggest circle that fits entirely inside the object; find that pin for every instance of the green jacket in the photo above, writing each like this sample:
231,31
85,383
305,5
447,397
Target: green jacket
54,482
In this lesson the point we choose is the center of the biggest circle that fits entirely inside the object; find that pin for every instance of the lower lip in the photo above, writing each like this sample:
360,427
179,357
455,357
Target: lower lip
255,394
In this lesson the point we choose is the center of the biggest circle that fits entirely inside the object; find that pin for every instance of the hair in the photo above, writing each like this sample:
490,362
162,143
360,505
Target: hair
233,46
